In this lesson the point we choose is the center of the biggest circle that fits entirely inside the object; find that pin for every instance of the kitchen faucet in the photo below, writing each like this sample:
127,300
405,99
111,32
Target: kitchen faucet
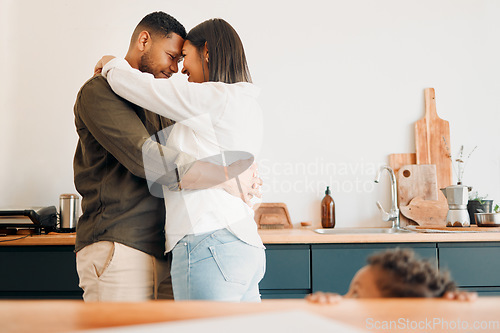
393,214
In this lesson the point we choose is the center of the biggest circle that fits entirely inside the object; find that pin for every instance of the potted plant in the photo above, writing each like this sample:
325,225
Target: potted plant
478,204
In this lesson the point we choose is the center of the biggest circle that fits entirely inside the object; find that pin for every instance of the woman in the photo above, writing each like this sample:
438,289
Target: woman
217,252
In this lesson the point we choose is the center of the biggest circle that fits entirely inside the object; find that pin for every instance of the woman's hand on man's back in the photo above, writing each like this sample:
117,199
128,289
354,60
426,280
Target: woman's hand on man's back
246,185
101,63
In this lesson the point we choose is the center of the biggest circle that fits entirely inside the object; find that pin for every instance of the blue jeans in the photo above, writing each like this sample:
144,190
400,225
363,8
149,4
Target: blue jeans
217,266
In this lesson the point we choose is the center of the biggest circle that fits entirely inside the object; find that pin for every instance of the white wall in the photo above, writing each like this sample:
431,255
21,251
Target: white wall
342,85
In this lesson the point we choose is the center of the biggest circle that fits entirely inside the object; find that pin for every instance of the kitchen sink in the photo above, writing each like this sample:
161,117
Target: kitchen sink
350,231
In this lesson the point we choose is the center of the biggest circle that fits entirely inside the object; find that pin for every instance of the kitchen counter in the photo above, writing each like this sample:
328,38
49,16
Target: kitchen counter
308,236
288,236
51,238
299,261
432,315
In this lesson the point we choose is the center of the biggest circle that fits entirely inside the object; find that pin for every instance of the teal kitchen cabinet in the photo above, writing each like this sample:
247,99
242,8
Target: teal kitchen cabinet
473,266
288,272
334,265
292,270
38,272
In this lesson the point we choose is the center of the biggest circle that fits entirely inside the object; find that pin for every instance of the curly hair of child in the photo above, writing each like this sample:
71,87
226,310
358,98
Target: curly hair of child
403,274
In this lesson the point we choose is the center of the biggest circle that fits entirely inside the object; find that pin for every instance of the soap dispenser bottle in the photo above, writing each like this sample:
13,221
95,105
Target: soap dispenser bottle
327,210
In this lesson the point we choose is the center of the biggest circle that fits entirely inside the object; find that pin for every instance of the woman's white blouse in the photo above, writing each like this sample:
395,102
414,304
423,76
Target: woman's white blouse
211,118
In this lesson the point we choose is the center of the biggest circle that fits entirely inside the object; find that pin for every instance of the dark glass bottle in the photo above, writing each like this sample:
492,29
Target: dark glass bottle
327,210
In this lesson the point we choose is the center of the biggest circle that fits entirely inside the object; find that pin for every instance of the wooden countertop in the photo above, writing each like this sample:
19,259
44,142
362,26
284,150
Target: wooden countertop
431,314
49,239
289,236
308,236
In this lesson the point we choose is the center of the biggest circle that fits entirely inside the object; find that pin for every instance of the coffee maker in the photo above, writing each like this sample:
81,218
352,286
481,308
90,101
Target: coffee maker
458,197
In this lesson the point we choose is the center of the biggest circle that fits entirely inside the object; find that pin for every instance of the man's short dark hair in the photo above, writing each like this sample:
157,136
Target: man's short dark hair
406,275
160,24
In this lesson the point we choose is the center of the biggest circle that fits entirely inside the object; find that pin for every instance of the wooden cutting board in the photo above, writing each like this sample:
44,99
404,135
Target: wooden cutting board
396,161
416,181
432,136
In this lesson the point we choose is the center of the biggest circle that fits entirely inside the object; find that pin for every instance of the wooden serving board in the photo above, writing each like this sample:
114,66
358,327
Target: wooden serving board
426,212
416,181
472,228
273,216
432,136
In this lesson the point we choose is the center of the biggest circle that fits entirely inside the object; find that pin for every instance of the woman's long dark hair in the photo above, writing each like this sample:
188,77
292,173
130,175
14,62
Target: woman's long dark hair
227,61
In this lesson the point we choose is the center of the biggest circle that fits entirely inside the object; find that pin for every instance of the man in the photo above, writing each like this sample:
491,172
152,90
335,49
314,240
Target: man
120,235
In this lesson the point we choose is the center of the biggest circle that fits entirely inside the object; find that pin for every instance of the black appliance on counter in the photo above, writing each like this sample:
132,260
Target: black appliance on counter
40,218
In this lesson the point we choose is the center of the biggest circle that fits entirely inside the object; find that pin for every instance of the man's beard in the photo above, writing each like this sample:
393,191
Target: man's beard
145,64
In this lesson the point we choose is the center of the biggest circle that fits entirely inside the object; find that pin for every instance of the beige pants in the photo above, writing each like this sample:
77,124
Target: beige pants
113,272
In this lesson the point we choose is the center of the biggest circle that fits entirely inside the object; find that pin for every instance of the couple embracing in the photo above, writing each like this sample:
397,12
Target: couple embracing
165,169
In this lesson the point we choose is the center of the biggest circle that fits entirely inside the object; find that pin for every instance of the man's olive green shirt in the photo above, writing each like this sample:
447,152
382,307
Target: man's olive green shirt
110,174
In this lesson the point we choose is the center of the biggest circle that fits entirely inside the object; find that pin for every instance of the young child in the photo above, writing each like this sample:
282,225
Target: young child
397,273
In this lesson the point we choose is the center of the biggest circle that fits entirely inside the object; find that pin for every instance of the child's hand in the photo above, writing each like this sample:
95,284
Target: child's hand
466,296
324,298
